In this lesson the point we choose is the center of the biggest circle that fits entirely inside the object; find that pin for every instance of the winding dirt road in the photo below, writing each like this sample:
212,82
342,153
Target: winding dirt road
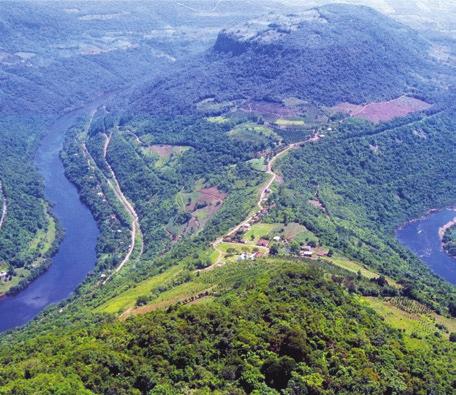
135,228
115,186
262,196
4,206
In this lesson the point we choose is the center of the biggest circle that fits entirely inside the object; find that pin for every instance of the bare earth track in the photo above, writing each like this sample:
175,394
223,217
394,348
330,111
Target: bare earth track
115,186
4,206
262,196
135,228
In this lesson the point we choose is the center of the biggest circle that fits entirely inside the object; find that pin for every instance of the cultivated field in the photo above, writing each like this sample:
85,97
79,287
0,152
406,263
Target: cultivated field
383,111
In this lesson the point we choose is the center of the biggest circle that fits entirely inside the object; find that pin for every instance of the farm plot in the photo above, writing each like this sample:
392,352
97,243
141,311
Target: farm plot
383,111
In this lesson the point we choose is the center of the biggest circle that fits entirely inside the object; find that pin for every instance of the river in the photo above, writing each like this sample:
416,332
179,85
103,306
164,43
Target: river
422,238
76,255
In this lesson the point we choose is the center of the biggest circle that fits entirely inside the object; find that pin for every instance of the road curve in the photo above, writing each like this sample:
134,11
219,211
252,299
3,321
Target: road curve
115,186
135,228
262,198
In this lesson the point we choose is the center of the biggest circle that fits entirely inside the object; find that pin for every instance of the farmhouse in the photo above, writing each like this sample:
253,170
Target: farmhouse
262,243
245,256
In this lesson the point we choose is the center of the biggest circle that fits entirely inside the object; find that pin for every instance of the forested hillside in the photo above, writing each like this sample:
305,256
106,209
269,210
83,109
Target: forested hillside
247,200
327,55
370,182
275,326
58,56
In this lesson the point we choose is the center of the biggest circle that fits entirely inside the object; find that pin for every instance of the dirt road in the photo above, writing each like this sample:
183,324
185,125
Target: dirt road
115,186
4,206
262,196
135,228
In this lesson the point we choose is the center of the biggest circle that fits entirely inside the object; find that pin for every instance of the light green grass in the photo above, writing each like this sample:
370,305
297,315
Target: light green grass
257,164
44,239
260,230
416,326
355,267
252,132
128,298
289,122
218,119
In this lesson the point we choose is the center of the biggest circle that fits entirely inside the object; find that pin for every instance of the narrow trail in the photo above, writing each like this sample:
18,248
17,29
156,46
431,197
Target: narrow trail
115,186
260,205
4,206
135,228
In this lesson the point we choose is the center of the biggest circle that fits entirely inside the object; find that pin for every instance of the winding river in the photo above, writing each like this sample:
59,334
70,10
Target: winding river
76,255
422,238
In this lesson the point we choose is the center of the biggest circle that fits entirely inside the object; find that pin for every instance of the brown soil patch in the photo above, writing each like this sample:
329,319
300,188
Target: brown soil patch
165,150
207,196
316,203
383,111
268,110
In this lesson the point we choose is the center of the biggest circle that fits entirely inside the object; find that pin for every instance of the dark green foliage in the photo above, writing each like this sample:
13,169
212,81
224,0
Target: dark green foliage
369,184
94,190
449,241
22,188
285,327
342,53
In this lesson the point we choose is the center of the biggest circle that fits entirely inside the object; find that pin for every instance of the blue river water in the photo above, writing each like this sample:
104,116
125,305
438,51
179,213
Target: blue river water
422,238
76,255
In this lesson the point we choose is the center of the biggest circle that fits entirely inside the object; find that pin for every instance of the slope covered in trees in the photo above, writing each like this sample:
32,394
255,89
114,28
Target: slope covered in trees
274,326
171,321
327,55
369,182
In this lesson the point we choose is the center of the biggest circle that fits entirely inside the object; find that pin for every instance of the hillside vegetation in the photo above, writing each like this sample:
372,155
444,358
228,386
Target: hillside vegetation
273,326
266,261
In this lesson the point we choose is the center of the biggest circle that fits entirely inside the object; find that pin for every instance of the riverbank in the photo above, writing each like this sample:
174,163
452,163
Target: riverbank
447,234
423,237
73,253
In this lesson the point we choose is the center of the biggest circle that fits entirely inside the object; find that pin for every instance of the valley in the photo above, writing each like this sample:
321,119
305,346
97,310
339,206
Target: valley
222,197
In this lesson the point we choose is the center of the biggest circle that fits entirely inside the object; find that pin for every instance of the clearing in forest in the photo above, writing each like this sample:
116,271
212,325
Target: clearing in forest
383,111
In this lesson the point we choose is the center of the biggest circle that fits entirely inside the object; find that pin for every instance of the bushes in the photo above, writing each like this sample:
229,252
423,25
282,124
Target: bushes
283,327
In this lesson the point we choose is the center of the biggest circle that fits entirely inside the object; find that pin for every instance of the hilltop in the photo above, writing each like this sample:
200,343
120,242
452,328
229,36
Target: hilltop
327,55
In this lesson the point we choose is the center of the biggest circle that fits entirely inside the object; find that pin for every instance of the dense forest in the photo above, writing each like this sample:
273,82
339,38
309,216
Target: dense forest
369,183
313,294
449,241
274,327
27,233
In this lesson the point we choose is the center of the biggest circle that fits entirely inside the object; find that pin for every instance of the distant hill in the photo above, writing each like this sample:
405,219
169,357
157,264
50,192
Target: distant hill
330,54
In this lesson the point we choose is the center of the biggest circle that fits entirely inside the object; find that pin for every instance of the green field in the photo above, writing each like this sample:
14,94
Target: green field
252,132
415,320
128,298
289,122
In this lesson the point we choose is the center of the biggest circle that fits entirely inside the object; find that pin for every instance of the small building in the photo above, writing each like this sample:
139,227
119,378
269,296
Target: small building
276,238
245,256
262,243
246,226
305,254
